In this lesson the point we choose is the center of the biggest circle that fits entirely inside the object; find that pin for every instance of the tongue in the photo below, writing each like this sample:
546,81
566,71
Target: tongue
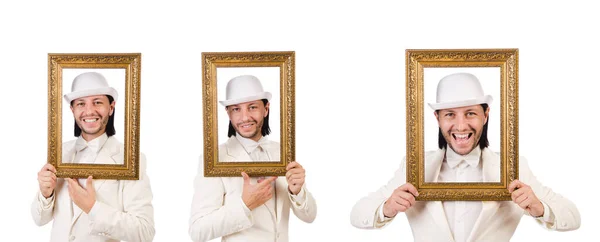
462,140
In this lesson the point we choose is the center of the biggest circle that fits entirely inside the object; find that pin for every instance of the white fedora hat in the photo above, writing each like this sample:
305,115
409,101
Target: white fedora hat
243,89
90,84
459,90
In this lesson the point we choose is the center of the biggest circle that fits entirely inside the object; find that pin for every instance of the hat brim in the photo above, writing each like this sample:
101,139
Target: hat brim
69,97
260,96
462,103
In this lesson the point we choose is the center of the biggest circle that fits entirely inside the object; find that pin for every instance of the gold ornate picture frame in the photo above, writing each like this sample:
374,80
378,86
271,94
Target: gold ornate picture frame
504,62
62,65
276,70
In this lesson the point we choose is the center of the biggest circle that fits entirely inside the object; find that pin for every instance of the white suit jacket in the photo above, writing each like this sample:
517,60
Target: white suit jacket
219,211
123,208
497,221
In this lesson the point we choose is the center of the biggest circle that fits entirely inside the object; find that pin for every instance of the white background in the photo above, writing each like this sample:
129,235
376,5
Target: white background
350,94
115,78
269,78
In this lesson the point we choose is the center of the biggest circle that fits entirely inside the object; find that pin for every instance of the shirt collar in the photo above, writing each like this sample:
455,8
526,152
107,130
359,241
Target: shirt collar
454,159
95,144
250,145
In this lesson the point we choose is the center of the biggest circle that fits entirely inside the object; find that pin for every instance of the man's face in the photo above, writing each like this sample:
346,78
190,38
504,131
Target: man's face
91,115
462,126
247,118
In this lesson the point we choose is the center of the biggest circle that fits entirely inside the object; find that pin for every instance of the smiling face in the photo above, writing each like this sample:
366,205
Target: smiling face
462,127
247,118
91,115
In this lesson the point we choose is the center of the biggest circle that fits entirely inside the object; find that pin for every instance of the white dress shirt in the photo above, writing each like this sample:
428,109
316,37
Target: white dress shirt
86,152
254,149
461,215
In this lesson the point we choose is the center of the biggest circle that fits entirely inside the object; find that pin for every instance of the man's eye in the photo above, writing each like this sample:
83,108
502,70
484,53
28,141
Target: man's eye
449,115
236,109
79,104
471,114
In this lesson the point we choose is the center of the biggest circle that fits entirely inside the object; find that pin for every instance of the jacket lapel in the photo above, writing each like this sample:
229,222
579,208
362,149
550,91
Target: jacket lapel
491,166
76,210
491,173
436,209
433,165
235,151
282,193
69,155
488,208
109,154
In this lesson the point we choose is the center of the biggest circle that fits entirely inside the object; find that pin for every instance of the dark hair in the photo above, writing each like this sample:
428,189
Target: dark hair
483,141
110,126
265,129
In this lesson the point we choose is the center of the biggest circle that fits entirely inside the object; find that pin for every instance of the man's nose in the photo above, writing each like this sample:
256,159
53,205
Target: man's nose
461,123
245,115
88,109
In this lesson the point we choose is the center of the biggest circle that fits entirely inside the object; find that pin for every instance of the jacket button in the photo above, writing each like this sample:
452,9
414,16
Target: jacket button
72,238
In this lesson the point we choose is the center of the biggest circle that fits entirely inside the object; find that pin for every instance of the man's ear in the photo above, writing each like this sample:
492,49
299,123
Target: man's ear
487,115
267,108
437,117
112,107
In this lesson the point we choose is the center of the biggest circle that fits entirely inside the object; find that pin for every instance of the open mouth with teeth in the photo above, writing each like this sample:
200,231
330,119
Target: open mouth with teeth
90,120
246,126
462,138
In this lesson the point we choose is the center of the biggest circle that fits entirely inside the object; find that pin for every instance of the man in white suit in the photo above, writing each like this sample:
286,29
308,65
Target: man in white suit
462,112
94,210
243,208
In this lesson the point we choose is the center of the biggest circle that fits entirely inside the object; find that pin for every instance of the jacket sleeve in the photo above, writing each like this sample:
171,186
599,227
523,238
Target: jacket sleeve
136,221
565,214
304,205
365,213
210,216
42,209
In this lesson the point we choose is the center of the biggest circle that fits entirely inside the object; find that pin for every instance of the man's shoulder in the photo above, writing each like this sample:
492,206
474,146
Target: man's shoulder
69,143
272,143
114,143
229,140
432,153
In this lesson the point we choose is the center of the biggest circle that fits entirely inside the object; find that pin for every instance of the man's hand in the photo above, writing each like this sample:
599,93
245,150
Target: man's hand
47,180
257,194
295,177
401,200
523,196
84,198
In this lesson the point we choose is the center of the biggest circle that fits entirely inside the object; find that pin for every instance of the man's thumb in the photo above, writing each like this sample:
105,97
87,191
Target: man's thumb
246,178
89,183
